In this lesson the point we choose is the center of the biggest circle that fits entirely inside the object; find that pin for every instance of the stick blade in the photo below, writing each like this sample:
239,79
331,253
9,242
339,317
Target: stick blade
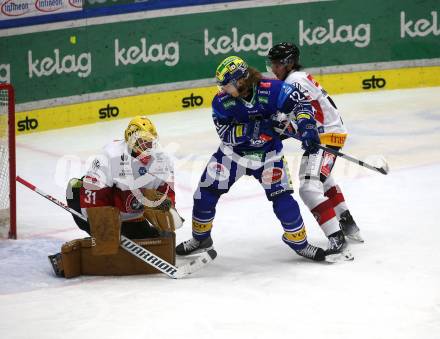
382,165
383,170
196,264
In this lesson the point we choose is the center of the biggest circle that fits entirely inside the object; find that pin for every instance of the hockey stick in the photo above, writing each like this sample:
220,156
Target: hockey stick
135,249
383,169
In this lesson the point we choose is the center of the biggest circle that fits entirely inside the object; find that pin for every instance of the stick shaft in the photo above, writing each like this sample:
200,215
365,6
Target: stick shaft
50,198
347,157
356,161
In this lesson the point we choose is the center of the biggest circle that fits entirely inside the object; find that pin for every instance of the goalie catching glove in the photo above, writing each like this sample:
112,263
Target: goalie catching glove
160,212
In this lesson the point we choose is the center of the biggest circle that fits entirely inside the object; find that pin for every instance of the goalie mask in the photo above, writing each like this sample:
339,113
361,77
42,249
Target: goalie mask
141,137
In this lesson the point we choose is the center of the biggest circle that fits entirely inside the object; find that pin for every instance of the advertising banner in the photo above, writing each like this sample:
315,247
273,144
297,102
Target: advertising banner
14,9
19,13
119,55
96,111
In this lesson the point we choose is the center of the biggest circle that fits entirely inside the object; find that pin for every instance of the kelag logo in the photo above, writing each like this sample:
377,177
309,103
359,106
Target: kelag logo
358,35
59,64
108,112
27,124
11,8
373,82
168,53
421,27
261,43
192,101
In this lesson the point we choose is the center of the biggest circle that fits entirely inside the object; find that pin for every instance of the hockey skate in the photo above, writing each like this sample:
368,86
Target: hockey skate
194,246
312,252
349,227
56,262
337,248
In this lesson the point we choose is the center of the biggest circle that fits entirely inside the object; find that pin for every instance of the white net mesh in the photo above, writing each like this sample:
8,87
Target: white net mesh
4,164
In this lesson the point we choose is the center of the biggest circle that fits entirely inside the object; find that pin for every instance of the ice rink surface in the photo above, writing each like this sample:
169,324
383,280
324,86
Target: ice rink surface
257,287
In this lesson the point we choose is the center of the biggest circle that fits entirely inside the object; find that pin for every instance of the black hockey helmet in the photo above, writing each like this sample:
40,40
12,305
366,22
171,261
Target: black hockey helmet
285,53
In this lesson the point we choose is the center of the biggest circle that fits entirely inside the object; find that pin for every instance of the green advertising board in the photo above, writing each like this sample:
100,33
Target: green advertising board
118,55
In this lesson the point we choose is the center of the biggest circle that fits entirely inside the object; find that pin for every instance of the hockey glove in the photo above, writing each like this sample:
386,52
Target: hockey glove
310,139
283,125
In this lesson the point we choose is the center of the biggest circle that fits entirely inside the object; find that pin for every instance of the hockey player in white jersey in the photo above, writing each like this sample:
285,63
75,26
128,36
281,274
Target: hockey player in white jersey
318,189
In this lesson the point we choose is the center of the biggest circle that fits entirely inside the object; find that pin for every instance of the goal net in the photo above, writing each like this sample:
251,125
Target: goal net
7,162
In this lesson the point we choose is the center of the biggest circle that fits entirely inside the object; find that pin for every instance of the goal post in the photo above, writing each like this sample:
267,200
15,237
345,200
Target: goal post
8,220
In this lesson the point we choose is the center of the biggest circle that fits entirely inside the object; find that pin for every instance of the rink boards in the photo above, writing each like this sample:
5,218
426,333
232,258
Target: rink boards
181,100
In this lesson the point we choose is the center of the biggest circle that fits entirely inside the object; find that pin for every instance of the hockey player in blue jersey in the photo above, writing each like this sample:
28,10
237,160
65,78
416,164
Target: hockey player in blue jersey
247,113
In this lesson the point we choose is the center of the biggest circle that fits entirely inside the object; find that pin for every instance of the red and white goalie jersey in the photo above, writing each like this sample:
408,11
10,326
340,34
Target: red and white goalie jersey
116,178
329,123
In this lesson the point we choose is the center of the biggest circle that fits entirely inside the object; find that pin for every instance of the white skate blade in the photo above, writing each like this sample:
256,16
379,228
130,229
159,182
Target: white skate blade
345,255
356,237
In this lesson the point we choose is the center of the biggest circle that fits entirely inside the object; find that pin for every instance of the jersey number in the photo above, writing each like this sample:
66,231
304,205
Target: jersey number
90,197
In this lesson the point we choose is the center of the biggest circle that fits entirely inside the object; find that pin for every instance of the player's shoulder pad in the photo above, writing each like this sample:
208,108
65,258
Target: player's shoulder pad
163,158
303,81
271,87
296,76
284,94
161,166
269,84
114,149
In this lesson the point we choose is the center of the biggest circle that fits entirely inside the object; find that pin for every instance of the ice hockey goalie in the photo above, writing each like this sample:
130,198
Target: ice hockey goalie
128,189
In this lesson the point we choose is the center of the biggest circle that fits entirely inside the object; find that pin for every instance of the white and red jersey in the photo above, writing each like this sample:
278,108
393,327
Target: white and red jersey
116,178
330,126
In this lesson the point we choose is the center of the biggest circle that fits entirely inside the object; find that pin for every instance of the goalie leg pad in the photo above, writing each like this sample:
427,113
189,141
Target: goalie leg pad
71,258
105,226
124,263
76,258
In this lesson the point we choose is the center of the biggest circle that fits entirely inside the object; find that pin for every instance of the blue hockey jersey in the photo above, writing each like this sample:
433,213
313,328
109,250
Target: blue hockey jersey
240,123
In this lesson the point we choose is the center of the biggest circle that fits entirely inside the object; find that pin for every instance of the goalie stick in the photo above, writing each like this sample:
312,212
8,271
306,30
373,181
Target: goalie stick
136,250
